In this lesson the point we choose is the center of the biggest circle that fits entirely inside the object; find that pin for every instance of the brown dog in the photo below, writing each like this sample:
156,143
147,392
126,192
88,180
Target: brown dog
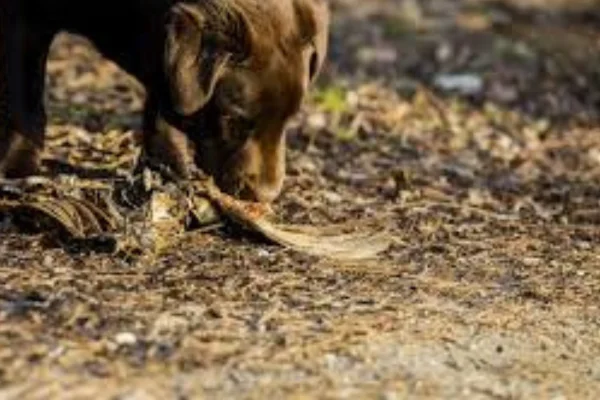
222,78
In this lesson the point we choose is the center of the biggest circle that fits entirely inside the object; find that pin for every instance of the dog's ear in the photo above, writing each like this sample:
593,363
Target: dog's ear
322,33
193,64
312,19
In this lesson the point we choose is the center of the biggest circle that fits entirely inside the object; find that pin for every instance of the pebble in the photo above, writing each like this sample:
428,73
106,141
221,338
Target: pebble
48,261
263,253
379,55
317,121
332,197
531,261
467,84
125,339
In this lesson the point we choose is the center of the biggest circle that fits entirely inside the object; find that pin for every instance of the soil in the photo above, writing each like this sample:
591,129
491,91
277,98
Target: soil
470,128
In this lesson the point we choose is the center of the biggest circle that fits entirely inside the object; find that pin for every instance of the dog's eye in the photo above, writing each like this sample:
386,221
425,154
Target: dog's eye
237,129
246,126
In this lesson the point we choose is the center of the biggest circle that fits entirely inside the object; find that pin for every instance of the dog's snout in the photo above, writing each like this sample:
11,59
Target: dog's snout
257,171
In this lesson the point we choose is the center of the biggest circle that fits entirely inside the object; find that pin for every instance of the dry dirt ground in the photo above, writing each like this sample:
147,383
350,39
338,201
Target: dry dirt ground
470,128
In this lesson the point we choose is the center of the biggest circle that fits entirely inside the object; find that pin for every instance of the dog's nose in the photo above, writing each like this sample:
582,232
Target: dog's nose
262,192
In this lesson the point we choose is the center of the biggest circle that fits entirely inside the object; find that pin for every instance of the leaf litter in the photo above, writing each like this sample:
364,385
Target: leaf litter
86,209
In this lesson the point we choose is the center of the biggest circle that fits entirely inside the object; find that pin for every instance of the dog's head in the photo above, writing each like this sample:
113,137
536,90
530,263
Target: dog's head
238,71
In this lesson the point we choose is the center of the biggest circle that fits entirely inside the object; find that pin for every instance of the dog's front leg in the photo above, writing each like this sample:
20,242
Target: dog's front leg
23,55
165,146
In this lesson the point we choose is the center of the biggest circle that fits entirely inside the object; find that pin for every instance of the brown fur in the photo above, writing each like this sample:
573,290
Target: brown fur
223,77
